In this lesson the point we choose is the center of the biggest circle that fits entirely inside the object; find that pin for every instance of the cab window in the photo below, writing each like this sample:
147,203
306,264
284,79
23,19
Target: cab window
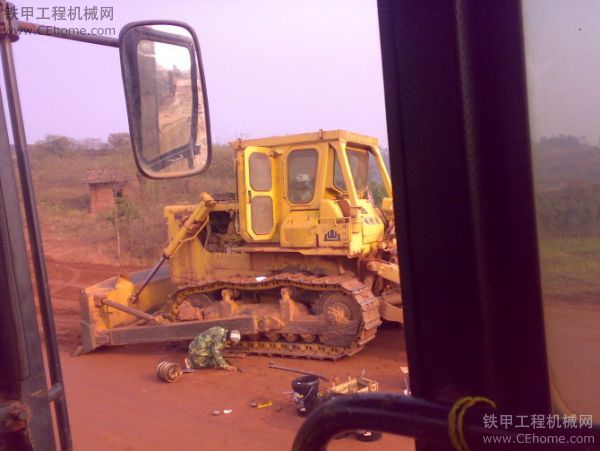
302,175
338,177
260,172
359,168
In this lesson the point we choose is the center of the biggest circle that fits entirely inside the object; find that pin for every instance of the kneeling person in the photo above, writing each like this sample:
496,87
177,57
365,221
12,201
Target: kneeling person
206,350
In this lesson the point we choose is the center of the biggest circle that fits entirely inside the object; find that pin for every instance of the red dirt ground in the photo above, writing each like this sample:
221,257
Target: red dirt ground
116,402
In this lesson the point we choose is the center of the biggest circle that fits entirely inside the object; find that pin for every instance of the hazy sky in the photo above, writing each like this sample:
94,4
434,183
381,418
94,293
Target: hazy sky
563,67
285,66
272,67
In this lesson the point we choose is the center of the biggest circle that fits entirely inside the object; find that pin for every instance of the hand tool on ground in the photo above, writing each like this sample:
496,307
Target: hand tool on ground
262,405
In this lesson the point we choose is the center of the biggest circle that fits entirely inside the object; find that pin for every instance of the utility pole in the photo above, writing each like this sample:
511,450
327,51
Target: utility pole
116,200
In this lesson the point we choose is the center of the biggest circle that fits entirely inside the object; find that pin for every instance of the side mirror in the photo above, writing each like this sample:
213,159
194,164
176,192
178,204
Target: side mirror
166,99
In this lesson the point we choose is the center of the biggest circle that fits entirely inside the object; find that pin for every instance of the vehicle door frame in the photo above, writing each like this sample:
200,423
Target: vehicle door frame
458,130
250,193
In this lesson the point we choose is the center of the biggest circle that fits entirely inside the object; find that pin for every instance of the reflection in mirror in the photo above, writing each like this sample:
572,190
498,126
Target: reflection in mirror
166,100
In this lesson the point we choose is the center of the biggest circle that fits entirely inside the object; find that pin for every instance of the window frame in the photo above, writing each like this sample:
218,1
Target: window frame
461,164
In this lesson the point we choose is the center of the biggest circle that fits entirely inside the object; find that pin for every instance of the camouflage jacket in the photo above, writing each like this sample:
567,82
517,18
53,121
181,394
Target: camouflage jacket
206,350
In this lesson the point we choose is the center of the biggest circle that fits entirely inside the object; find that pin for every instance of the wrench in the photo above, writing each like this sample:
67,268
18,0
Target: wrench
294,370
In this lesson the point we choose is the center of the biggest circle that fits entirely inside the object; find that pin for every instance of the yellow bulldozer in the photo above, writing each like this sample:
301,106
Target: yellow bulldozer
300,259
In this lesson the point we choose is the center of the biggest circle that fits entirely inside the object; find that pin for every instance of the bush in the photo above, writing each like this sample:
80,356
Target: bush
58,166
573,211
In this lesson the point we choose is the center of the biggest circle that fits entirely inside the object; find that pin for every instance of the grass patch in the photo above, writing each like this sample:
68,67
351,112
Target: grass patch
571,268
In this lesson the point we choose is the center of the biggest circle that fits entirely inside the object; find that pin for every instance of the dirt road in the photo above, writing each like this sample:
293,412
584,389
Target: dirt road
116,402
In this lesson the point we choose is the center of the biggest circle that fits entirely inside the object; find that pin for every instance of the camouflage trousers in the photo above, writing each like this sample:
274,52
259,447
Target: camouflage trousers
201,362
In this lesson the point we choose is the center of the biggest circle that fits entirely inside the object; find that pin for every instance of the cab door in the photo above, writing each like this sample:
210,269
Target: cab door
259,194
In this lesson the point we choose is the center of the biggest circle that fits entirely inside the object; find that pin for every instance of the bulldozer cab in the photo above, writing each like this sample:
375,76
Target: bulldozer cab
310,192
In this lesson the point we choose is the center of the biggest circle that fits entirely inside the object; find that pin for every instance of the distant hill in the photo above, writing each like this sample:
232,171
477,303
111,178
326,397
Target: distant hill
564,161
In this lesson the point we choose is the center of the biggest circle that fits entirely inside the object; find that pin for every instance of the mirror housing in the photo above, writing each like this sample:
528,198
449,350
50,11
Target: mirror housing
165,92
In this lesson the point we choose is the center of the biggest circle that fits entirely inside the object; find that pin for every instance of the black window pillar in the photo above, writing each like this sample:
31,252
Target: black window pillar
456,100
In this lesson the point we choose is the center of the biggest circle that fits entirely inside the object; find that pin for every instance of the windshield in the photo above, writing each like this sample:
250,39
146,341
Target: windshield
359,167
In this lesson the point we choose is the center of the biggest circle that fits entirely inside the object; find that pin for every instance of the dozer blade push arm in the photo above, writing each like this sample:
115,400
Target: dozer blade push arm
190,229
192,226
387,270
390,303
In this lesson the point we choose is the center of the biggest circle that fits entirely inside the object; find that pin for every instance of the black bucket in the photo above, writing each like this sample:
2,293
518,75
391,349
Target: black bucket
306,394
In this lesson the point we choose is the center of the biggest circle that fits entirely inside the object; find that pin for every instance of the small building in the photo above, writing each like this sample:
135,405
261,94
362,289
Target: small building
105,185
